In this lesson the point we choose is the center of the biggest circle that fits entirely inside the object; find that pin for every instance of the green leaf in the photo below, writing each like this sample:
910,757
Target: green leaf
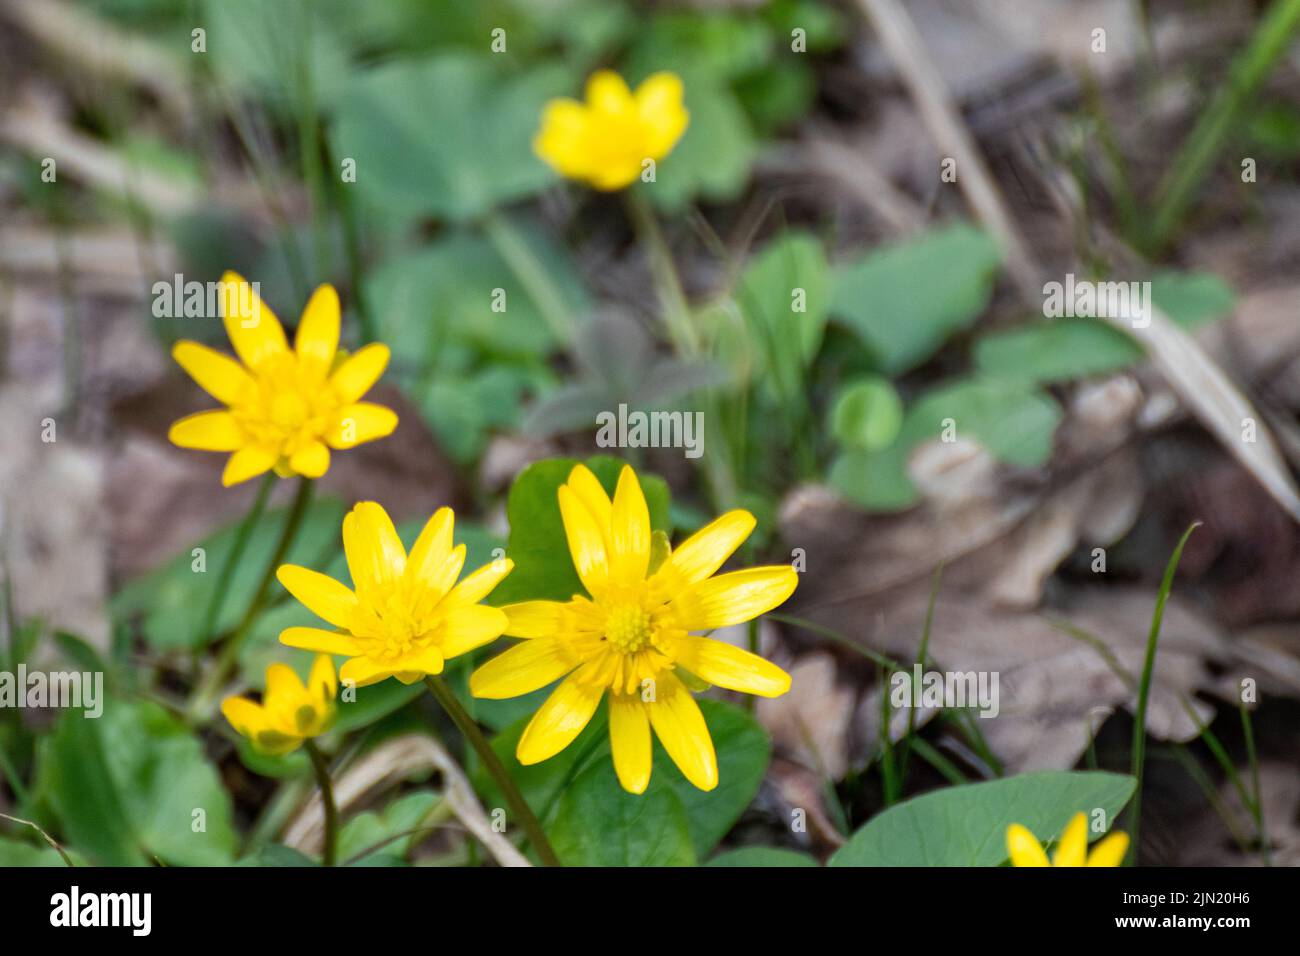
720,45
600,824
1015,422
1055,351
967,825
542,783
903,302
1192,298
126,787
464,411
174,598
448,136
751,856
277,854
543,568
19,853
258,46
442,297
773,343
369,829
875,480
866,413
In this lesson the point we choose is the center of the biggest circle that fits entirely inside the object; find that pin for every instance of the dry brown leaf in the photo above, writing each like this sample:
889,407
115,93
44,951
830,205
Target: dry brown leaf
811,724
1208,842
1052,687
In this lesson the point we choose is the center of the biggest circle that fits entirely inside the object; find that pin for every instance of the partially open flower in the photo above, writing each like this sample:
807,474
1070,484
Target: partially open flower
407,616
606,141
289,712
632,637
1024,849
285,408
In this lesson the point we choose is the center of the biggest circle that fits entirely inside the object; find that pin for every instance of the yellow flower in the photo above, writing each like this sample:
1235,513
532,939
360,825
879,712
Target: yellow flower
1024,849
286,409
604,141
633,633
407,615
289,712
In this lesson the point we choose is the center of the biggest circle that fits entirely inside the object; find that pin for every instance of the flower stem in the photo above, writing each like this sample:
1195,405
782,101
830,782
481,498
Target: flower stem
474,737
532,274
218,599
672,300
321,766
229,653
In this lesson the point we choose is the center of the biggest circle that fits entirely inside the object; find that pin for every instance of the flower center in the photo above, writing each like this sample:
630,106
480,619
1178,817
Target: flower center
288,408
389,628
628,628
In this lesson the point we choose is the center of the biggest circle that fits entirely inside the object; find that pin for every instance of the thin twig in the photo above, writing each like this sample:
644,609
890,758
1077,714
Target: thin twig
48,839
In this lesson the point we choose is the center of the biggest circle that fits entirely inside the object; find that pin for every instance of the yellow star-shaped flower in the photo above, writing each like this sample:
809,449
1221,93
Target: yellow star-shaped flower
605,141
285,409
289,712
407,615
631,639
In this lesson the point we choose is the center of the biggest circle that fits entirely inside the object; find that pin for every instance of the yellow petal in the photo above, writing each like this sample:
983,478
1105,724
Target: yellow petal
254,330
663,118
735,597
249,462
429,660
362,671
478,585
680,727
562,139
700,555
361,422
245,716
629,739
615,174
608,92
523,669
318,332
219,375
592,495
728,666
208,431
376,558
322,682
469,627
1110,851
282,685
323,642
1072,849
586,542
323,596
1023,847
560,718
361,370
629,538
432,561
534,618
311,461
